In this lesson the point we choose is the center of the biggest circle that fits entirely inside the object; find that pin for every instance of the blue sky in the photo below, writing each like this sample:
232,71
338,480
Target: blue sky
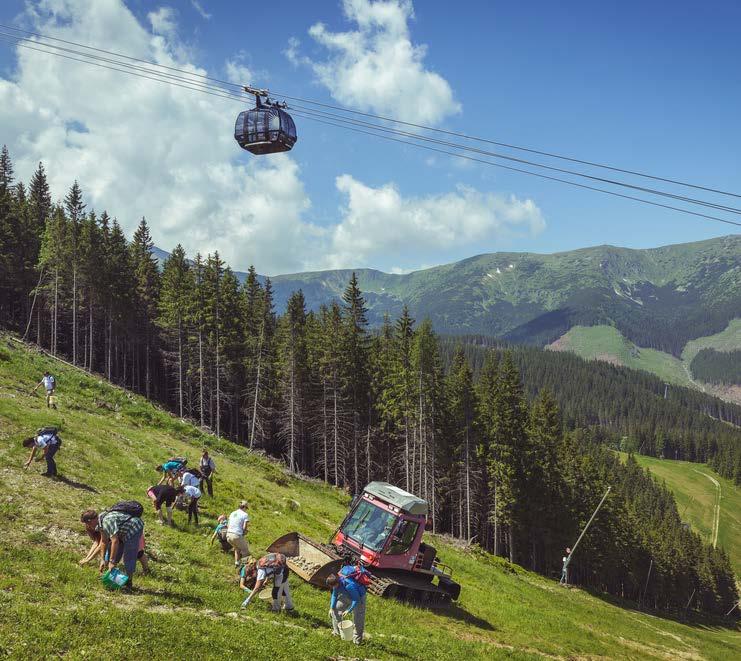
647,86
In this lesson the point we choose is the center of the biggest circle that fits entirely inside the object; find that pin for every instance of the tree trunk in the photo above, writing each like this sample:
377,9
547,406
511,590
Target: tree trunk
257,385
200,377
55,317
74,315
90,337
180,366
336,436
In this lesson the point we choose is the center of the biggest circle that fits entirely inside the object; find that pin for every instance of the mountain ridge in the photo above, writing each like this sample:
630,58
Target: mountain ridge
657,297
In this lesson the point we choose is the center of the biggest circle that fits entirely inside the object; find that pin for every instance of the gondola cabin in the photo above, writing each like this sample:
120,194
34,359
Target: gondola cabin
265,129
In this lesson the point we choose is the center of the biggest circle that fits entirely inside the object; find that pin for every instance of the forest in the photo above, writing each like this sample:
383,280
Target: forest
631,410
720,367
500,466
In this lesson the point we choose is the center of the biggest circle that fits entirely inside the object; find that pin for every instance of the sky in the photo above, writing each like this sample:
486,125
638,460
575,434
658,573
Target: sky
648,86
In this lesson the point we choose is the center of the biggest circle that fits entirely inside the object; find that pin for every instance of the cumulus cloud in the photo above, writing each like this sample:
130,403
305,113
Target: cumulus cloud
380,225
142,148
377,67
139,147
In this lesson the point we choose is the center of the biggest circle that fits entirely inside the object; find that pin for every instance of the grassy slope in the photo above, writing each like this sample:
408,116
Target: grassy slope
607,343
696,498
189,607
727,340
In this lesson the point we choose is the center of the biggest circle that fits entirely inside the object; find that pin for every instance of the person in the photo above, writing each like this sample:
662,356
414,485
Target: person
236,531
120,539
141,556
91,528
565,569
208,468
220,533
50,385
170,471
49,442
162,494
189,479
255,573
348,597
194,493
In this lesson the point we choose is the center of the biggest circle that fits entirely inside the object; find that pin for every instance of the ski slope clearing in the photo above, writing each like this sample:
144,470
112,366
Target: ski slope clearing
189,606
708,502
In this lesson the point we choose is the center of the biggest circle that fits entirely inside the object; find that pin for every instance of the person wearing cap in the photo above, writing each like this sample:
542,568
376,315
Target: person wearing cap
236,530
50,385
207,468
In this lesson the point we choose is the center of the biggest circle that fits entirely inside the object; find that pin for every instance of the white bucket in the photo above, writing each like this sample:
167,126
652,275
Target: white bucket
347,629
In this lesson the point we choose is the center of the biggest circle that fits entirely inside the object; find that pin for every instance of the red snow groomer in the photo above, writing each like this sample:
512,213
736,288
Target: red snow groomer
383,531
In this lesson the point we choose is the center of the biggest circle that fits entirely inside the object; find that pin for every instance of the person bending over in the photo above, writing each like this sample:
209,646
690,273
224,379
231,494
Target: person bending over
255,573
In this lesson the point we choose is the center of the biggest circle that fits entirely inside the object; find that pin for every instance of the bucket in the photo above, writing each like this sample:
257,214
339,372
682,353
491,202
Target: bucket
114,579
347,629
265,595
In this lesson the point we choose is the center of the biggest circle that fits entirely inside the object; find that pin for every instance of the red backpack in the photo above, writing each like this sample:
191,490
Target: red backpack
360,575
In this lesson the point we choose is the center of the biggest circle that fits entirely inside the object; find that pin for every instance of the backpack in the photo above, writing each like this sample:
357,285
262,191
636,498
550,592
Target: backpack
360,575
271,561
51,431
195,473
131,507
180,460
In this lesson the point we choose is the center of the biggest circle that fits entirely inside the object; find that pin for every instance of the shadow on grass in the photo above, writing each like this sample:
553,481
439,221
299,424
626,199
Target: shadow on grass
176,597
76,485
455,612
694,619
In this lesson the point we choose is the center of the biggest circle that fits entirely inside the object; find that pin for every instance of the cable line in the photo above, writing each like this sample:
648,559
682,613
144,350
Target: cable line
384,118
534,174
219,91
351,124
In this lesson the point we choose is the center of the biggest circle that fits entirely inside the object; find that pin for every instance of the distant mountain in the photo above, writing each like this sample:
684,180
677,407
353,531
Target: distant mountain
658,298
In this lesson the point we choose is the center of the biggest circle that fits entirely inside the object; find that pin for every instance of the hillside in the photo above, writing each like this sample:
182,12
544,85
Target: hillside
708,502
660,297
716,375
112,439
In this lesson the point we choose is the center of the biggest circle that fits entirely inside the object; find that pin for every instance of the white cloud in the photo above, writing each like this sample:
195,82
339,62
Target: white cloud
139,147
142,148
199,8
377,67
380,225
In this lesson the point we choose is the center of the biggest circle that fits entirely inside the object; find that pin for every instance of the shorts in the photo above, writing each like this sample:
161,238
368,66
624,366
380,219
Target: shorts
239,543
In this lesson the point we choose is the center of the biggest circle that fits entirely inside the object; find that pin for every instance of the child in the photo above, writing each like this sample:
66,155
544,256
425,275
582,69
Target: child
220,533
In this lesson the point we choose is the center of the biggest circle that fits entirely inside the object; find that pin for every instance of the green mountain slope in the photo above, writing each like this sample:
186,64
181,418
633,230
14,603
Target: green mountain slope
608,344
705,500
660,297
188,608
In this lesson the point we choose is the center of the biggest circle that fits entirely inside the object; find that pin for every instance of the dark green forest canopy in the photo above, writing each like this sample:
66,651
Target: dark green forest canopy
722,367
500,459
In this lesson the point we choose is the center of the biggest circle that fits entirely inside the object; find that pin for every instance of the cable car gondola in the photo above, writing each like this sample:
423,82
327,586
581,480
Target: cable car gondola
265,129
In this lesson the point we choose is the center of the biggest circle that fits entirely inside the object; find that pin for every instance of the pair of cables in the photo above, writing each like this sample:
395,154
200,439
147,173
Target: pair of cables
598,177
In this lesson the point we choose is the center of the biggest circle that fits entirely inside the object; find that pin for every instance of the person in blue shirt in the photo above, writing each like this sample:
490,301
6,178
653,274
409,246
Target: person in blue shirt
170,471
348,598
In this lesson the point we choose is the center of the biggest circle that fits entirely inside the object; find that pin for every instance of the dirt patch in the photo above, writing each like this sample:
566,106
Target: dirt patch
561,344
609,358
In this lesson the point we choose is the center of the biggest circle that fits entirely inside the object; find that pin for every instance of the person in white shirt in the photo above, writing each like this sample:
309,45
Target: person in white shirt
48,442
236,531
189,480
50,385
194,493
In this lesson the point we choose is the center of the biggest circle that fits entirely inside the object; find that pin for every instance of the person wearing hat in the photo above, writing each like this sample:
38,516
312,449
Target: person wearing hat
236,530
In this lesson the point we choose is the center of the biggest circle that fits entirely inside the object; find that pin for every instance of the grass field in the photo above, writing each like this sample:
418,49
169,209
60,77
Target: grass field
189,606
727,340
709,503
608,344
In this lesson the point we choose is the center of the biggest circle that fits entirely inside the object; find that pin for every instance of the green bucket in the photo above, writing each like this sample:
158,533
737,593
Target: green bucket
114,579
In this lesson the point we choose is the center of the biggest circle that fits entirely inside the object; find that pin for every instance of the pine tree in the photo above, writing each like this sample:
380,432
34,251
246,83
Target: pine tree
175,310
293,379
146,278
75,211
355,344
